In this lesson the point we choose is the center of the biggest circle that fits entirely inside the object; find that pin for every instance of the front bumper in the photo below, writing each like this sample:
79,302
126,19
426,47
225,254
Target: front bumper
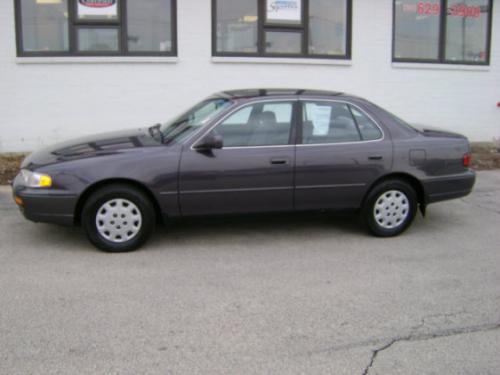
45,205
449,187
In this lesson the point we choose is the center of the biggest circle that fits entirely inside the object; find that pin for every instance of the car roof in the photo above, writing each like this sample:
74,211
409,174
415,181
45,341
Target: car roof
275,92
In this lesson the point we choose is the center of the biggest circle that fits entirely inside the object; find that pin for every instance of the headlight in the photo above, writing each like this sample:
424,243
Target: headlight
36,180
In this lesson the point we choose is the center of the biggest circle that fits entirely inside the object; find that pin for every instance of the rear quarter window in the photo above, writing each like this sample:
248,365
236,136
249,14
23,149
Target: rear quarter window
368,129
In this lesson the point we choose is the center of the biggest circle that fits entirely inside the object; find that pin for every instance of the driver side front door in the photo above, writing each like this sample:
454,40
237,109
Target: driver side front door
253,172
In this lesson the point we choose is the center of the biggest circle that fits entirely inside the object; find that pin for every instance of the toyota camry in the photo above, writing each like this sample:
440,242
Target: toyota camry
246,151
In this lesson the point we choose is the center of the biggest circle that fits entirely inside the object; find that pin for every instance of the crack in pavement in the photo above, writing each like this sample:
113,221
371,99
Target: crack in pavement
429,336
375,353
374,341
385,343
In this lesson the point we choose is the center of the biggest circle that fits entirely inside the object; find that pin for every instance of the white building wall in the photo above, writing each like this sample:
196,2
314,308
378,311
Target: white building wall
41,103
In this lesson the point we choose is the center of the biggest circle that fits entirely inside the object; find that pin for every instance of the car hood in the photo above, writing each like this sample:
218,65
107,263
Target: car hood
89,146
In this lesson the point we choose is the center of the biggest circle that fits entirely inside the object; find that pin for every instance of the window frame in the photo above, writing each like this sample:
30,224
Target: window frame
442,40
263,26
74,24
296,127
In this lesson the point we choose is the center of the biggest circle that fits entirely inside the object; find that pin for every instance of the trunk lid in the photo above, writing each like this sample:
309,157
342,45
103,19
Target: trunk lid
430,131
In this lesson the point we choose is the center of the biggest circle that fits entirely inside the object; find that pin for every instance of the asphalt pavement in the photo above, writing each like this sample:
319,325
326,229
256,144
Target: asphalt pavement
308,294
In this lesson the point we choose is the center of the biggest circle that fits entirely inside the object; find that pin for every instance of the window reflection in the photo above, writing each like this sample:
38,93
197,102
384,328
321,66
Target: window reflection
283,42
45,26
97,39
467,30
149,25
417,30
237,26
327,27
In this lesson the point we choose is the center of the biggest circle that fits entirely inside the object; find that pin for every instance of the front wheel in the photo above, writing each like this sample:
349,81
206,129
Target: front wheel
118,218
390,208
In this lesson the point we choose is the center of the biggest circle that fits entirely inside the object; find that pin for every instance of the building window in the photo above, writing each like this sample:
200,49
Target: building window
327,30
442,31
282,28
149,25
96,27
44,26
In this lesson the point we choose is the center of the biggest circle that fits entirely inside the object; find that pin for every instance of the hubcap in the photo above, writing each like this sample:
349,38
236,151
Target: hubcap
118,220
391,209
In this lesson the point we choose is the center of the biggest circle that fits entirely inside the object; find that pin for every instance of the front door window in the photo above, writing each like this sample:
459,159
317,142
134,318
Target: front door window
260,124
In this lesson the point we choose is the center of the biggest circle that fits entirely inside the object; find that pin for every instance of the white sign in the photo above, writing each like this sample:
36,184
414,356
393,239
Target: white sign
284,11
320,118
97,9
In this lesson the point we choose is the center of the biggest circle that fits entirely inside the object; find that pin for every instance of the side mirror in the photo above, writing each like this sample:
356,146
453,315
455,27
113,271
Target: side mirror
210,142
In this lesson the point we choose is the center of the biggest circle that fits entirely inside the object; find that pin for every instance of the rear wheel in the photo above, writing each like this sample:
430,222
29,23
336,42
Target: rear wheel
390,208
118,218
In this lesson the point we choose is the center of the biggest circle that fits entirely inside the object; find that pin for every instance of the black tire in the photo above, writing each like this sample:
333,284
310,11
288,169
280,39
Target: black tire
378,219
110,193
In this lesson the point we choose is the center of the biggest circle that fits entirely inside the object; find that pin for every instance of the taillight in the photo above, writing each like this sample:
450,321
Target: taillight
466,160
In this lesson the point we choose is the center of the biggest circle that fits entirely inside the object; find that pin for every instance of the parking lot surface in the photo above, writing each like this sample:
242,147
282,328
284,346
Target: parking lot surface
309,294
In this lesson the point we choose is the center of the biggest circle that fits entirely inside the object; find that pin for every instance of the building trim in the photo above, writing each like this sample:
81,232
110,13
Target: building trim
97,60
477,68
276,60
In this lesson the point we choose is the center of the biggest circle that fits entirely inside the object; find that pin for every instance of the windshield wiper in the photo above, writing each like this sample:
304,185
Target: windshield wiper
155,130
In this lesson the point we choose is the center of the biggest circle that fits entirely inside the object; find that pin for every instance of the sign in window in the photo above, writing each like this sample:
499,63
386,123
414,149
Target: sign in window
442,31
97,9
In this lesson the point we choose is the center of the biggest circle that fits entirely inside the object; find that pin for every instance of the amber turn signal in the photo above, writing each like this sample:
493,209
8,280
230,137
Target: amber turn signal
18,200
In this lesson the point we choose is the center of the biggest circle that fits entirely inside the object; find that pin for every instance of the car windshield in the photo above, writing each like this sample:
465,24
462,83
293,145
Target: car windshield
187,123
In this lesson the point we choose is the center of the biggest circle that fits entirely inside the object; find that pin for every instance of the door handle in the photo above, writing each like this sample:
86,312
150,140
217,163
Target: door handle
375,157
278,161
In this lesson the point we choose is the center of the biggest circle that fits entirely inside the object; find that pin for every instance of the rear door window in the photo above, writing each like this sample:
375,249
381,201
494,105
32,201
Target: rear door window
324,122
335,122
